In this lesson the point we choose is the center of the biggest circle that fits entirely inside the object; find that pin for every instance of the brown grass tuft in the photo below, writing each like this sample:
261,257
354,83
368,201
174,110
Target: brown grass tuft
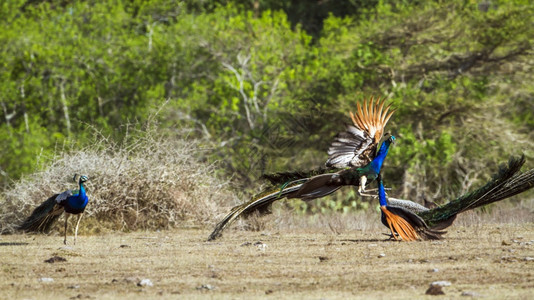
148,181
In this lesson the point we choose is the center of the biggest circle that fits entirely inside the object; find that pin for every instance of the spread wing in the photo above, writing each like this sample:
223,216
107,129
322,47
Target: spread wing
357,145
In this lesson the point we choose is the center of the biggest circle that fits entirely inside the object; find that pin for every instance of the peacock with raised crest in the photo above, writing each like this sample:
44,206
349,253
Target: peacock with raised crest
71,202
413,221
354,159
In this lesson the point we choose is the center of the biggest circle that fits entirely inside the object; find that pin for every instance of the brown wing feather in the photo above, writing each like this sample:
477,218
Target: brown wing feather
357,146
373,117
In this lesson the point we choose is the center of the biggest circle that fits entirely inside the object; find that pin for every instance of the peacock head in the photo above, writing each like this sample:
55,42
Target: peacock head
83,178
390,139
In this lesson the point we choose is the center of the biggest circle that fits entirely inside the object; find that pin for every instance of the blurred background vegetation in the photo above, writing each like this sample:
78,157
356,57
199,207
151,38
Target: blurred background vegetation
264,85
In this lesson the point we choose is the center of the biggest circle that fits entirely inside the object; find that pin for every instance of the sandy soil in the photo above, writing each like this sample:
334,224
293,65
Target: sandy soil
490,261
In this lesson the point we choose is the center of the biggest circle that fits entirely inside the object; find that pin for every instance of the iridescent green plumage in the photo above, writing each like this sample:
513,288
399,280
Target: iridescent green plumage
353,160
429,223
305,188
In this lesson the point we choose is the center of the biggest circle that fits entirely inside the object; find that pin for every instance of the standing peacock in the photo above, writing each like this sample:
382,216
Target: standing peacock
353,151
415,221
70,202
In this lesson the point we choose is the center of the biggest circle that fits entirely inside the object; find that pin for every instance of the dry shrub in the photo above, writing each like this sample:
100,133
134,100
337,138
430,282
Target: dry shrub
147,181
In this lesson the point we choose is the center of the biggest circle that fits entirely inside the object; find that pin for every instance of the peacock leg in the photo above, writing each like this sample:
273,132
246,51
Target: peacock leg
372,190
66,219
76,230
361,188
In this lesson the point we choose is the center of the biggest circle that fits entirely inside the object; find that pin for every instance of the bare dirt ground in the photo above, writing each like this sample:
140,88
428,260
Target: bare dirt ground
490,261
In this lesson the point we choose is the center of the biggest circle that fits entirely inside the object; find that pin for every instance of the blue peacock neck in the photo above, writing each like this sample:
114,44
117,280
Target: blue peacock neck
377,162
81,199
82,190
382,194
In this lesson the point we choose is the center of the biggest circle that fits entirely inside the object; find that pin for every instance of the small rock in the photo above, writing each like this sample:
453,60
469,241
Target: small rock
381,255
246,244
74,287
206,287
505,243
441,283
470,294
528,258
261,246
267,292
435,290
435,270
80,296
323,258
145,282
125,246
54,259
46,279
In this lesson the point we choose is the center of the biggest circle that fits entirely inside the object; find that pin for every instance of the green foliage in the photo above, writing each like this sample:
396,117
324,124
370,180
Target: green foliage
267,90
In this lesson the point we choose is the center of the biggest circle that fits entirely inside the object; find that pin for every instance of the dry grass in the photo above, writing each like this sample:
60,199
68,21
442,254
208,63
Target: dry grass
284,219
494,261
146,182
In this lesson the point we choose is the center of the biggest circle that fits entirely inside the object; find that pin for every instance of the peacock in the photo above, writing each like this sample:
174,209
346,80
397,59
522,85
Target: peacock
70,201
414,221
353,160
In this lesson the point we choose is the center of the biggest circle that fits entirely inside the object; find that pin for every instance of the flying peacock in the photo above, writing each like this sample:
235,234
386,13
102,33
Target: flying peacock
353,154
70,201
414,221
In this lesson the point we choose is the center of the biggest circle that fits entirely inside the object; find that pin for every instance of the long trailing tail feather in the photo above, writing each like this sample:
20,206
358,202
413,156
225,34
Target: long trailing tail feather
260,202
515,185
304,188
504,184
317,187
279,178
43,217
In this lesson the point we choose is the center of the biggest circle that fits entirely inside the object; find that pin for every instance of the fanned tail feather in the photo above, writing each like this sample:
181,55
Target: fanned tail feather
42,217
372,117
260,202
